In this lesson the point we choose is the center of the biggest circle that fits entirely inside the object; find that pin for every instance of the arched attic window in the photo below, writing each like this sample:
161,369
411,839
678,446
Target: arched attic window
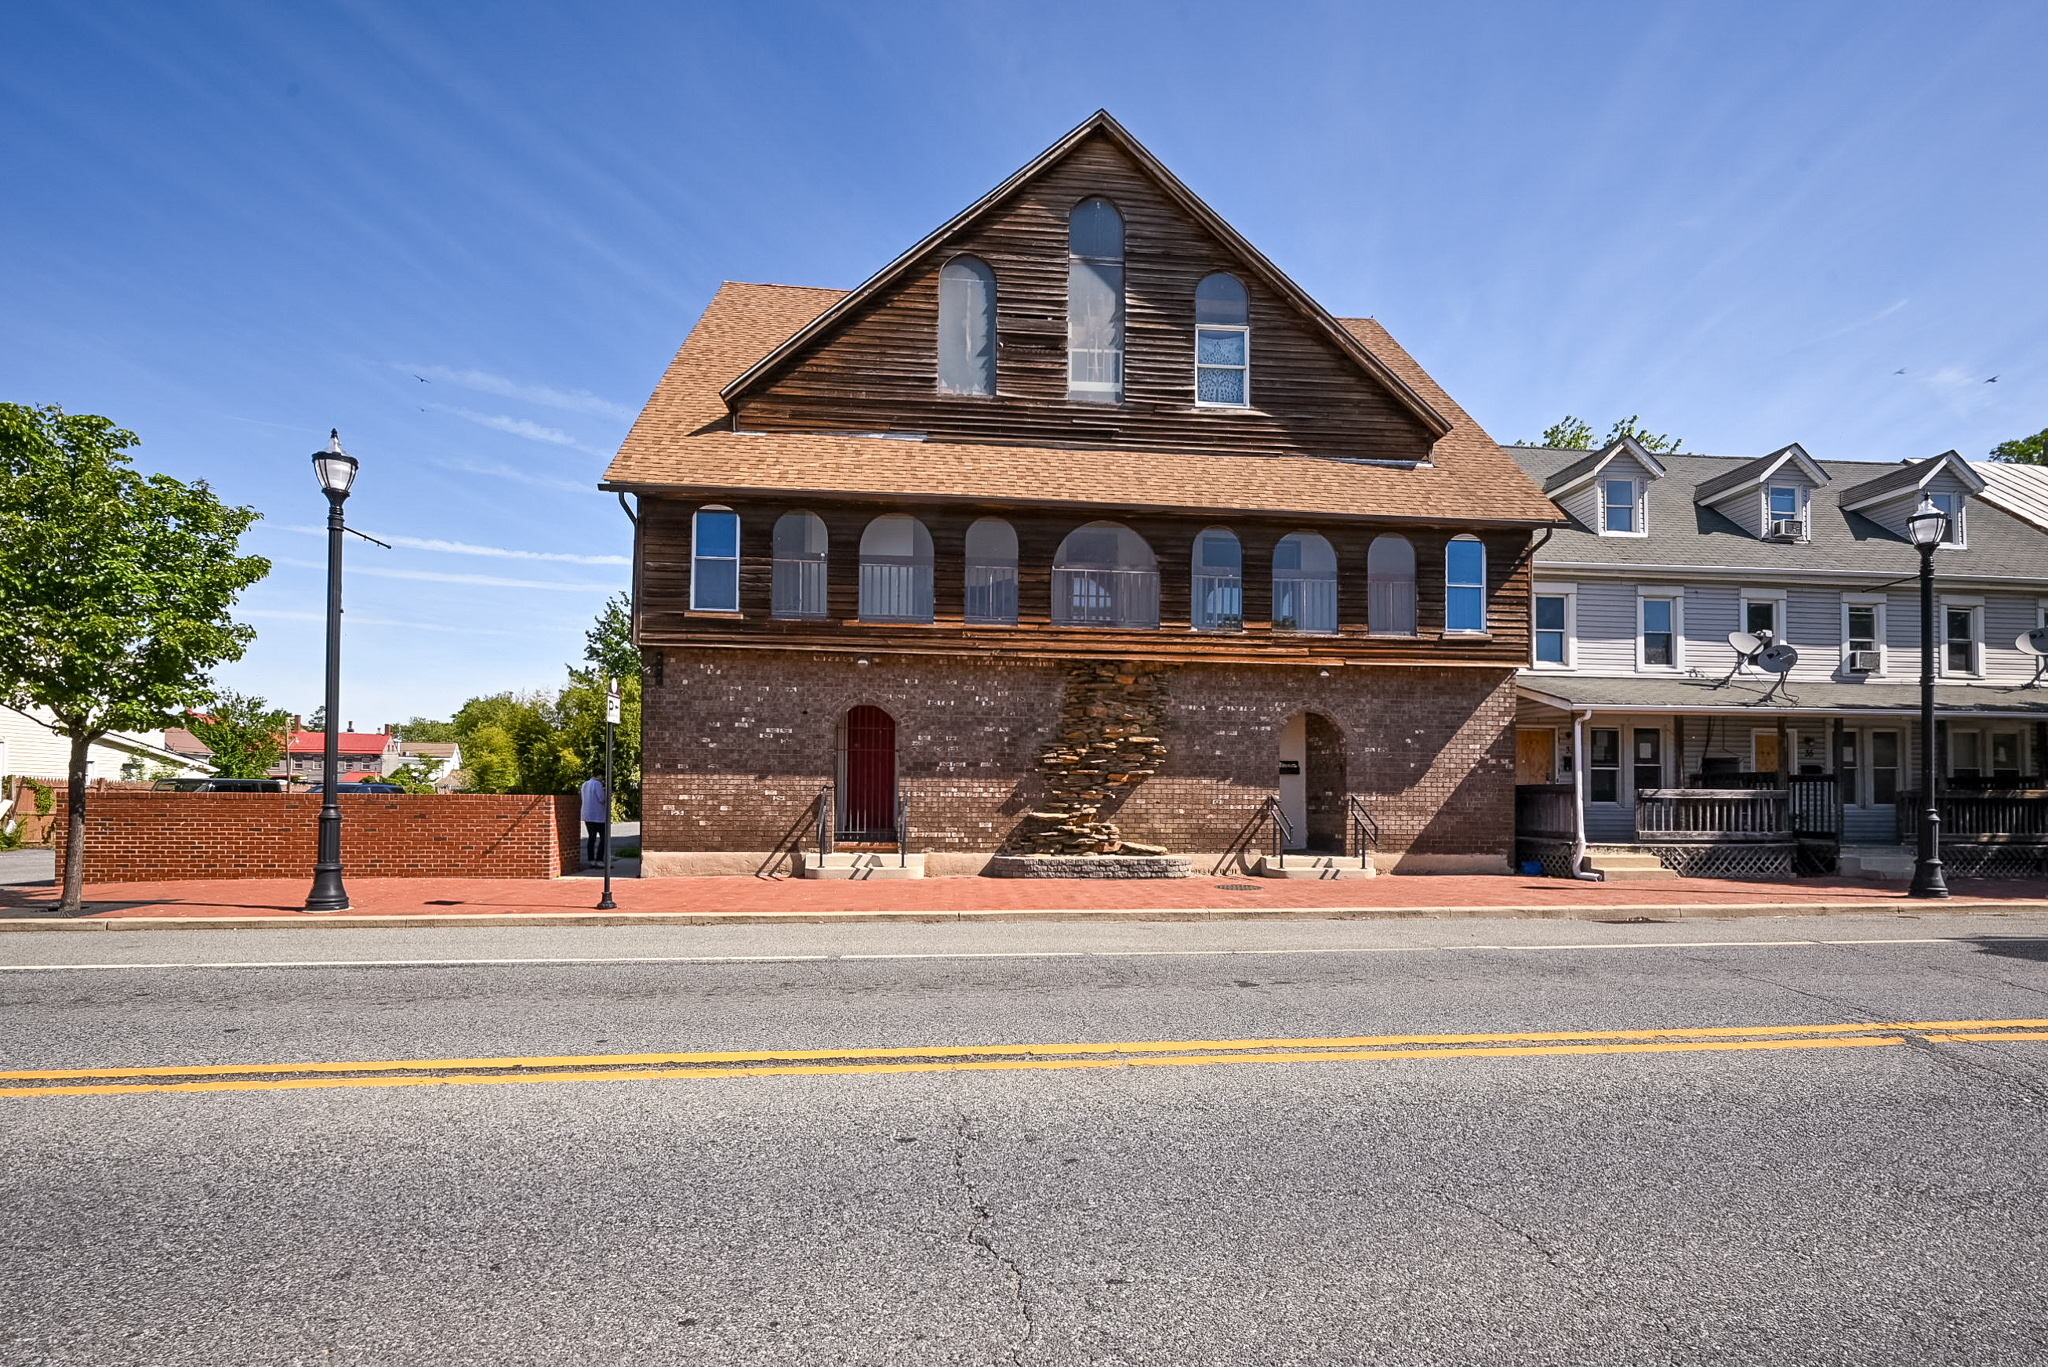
1465,585
715,560
1223,342
1104,575
967,327
1305,585
799,587
1095,302
1390,586
992,572
895,570
1217,600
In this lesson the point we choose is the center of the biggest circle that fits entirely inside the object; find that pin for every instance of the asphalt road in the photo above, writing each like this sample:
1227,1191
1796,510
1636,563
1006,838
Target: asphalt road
1830,1198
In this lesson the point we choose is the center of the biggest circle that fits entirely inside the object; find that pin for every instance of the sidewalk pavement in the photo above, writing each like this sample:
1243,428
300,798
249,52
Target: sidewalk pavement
250,903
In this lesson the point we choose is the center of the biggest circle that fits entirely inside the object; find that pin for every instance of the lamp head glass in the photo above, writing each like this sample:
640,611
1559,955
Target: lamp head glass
1928,526
335,467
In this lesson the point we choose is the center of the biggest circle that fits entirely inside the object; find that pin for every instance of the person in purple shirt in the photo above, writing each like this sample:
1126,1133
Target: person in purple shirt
597,819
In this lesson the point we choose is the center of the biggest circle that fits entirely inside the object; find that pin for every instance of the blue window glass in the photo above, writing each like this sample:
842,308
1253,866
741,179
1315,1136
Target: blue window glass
1550,629
1784,501
715,560
1465,585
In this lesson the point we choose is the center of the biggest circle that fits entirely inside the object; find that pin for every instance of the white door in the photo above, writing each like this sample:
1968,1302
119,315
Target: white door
1294,779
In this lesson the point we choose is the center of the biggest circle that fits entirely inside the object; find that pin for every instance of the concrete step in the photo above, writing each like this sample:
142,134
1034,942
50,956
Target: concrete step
1625,866
1315,866
865,867
1877,861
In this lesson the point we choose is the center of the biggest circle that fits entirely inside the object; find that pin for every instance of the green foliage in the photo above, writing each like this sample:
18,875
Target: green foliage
1576,434
319,721
609,642
246,734
10,834
415,776
2023,450
46,796
425,729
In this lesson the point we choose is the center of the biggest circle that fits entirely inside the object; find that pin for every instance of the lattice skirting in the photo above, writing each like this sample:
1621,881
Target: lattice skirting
1724,861
1990,860
1554,855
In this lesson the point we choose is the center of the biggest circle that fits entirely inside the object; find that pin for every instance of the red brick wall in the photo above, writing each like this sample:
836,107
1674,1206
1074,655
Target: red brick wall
146,837
738,743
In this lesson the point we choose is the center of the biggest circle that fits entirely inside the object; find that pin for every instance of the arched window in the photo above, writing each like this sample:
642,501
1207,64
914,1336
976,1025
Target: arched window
1223,342
967,327
992,572
895,570
1390,586
1305,585
1465,584
799,589
1217,597
715,560
1095,302
1104,576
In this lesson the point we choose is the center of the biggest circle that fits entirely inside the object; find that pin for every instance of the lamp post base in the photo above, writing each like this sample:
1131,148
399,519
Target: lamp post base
1928,880
329,895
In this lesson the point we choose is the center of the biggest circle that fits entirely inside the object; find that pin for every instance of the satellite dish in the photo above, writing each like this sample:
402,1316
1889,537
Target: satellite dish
1746,645
2033,642
1777,659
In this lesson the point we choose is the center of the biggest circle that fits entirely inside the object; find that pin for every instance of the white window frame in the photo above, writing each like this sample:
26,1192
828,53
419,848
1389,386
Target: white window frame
1485,626
1675,597
1637,490
1958,522
1975,607
1570,594
695,579
1878,604
1801,507
1776,598
1243,330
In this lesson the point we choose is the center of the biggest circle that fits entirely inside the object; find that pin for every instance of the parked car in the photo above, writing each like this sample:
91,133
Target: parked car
345,788
218,785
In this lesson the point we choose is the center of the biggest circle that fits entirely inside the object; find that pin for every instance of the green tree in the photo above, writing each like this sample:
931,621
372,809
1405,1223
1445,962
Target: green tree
319,721
580,717
426,729
246,734
609,642
1576,434
115,588
1631,426
415,776
2023,450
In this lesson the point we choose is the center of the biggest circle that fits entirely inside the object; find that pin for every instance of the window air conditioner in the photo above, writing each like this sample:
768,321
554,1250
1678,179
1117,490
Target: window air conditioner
1865,661
1788,528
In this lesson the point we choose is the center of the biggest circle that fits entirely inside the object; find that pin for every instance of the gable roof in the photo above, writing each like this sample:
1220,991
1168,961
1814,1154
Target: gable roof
1579,471
1099,124
1910,476
347,742
1752,473
681,443
1683,534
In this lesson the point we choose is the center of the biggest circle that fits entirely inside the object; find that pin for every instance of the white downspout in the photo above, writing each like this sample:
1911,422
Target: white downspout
1579,869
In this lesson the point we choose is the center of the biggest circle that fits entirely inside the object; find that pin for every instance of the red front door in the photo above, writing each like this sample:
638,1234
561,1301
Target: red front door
867,810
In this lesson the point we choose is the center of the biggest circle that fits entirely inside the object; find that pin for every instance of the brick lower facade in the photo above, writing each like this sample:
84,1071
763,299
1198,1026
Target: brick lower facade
738,744
152,837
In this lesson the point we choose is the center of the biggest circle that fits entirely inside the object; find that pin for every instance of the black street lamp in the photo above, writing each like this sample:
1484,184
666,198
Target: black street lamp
1928,527
337,471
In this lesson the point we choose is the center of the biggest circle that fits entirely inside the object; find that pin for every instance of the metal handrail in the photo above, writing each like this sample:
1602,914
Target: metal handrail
1365,831
821,807
1283,830
902,833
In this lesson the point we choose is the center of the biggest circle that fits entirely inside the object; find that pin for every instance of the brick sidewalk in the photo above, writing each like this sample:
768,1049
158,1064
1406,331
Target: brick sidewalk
943,897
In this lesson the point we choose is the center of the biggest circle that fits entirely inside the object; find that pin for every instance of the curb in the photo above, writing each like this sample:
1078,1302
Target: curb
1648,912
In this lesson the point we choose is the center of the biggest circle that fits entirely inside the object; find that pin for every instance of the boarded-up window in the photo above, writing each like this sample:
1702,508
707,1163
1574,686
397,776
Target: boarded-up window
1095,302
967,327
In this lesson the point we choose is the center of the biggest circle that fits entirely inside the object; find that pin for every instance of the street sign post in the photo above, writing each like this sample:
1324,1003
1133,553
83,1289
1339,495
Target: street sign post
611,725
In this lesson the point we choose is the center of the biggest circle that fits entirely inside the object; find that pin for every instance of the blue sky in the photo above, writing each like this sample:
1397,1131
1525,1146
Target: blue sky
232,226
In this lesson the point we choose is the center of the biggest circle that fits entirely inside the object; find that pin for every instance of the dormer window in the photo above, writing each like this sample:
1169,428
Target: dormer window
1951,504
1783,513
1223,340
1619,515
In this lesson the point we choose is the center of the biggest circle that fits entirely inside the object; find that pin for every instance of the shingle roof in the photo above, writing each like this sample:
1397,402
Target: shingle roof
1681,533
178,739
682,441
346,742
2019,489
1910,474
1698,695
1750,471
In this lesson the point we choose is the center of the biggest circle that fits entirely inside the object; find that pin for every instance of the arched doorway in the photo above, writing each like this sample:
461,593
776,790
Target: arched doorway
867,775
1312,782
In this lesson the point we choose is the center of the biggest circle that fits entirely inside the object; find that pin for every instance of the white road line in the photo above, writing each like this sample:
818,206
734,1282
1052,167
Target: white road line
1014,954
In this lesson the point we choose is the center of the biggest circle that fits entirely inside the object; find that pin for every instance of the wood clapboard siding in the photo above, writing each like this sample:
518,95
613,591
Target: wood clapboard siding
664,617
877,370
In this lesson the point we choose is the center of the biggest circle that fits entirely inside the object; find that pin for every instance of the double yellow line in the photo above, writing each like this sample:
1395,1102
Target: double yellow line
461,1072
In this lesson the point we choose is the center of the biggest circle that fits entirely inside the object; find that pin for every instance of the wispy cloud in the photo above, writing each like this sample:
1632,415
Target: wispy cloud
481,580
492,470
421,543
483,382
356,620
519,427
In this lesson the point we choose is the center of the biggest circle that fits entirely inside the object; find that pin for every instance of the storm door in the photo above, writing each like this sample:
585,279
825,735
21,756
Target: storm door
867,807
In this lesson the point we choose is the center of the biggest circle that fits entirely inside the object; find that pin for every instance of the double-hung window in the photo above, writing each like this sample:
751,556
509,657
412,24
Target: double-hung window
1603,764
1659,637
1951,504
715,560
1863,637
1961,651
1465,585
1553,629
1782,505
1223,340
1618,507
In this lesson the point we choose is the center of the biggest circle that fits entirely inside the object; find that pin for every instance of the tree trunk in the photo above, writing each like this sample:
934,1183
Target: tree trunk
73,899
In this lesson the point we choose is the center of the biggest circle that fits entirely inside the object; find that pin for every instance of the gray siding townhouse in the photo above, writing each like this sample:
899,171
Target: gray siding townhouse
1646,744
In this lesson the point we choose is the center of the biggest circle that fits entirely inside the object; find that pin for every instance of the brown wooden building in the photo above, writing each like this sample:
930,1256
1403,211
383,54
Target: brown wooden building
1078,527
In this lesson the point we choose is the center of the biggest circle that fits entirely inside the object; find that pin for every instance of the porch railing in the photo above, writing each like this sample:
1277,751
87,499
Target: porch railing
1218,602
2009,814
991,592
1815,812
1733,814
799,588
1363,830
1105,598
1390,605
1544,810
893,591
1305,604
